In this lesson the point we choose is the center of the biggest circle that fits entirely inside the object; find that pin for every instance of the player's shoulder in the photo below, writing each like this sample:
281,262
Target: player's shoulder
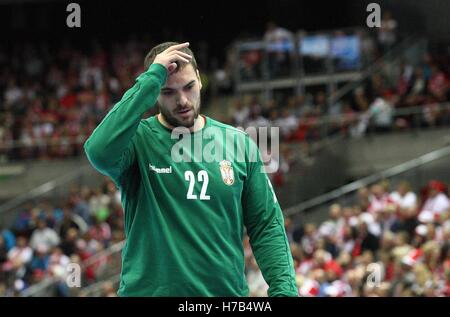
242,137
226,127
146,126
148,123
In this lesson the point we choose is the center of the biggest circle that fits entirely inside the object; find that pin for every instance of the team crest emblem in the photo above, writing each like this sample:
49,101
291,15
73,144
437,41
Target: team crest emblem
227,172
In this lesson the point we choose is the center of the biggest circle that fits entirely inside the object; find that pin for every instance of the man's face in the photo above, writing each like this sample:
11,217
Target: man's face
377,191
335,212
433,192
179,100
21,242
402,189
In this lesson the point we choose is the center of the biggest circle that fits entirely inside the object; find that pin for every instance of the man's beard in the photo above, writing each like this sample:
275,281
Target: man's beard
176,122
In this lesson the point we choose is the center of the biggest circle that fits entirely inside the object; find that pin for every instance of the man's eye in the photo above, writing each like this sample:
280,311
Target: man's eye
167,93
189,87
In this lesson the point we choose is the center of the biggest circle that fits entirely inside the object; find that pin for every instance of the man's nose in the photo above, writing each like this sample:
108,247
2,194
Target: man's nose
181,100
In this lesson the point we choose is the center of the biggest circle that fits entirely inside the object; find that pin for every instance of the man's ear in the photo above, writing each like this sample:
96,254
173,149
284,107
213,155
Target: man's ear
199,80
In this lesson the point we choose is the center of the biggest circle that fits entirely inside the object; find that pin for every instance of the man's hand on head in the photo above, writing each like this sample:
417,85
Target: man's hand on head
172,57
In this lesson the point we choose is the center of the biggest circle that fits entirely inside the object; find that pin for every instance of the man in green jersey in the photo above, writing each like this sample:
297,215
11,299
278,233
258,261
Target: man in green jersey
185,216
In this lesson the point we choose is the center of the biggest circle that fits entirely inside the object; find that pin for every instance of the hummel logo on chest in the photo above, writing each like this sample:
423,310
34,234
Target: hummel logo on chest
160,170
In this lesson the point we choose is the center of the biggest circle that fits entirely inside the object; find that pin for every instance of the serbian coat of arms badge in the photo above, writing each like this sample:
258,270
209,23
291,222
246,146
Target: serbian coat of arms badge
227,172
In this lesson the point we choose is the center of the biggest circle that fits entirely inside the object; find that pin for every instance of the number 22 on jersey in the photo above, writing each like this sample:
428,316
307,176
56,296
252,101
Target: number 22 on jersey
202,177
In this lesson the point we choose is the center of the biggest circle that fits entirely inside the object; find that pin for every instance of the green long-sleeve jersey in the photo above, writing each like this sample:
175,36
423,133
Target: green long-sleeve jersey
185,215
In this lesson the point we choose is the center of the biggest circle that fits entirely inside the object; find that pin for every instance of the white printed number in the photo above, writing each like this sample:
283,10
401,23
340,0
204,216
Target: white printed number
202,177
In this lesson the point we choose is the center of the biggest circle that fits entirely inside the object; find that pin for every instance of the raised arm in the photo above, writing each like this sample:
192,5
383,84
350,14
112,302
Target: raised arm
110,147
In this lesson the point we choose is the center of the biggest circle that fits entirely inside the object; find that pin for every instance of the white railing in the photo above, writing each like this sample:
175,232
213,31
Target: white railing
353,186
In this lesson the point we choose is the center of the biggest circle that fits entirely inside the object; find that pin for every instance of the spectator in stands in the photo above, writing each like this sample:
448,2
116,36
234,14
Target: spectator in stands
18,257
280,47
361,100
79,200
101,232
70,220
381,112
44,236
240,113
286,122
333,225
68,244
57,267
406,201
40,261
365,239
387,33
404,79
13,93
416,95
438,84
363,197
309,240
379,200
256,119
436,204
8,237
320,103
250,65
276,34
368,48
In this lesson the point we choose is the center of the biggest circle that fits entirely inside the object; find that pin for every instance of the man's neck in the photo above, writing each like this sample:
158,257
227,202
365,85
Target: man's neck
199,123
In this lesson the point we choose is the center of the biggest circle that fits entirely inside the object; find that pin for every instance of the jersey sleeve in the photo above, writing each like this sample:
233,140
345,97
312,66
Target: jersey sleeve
110,147
264,222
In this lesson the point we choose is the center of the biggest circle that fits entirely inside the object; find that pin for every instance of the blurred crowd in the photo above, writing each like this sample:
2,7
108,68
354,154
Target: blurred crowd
351,49
390,242
386,242
377,106
52,98
374,106
46,237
